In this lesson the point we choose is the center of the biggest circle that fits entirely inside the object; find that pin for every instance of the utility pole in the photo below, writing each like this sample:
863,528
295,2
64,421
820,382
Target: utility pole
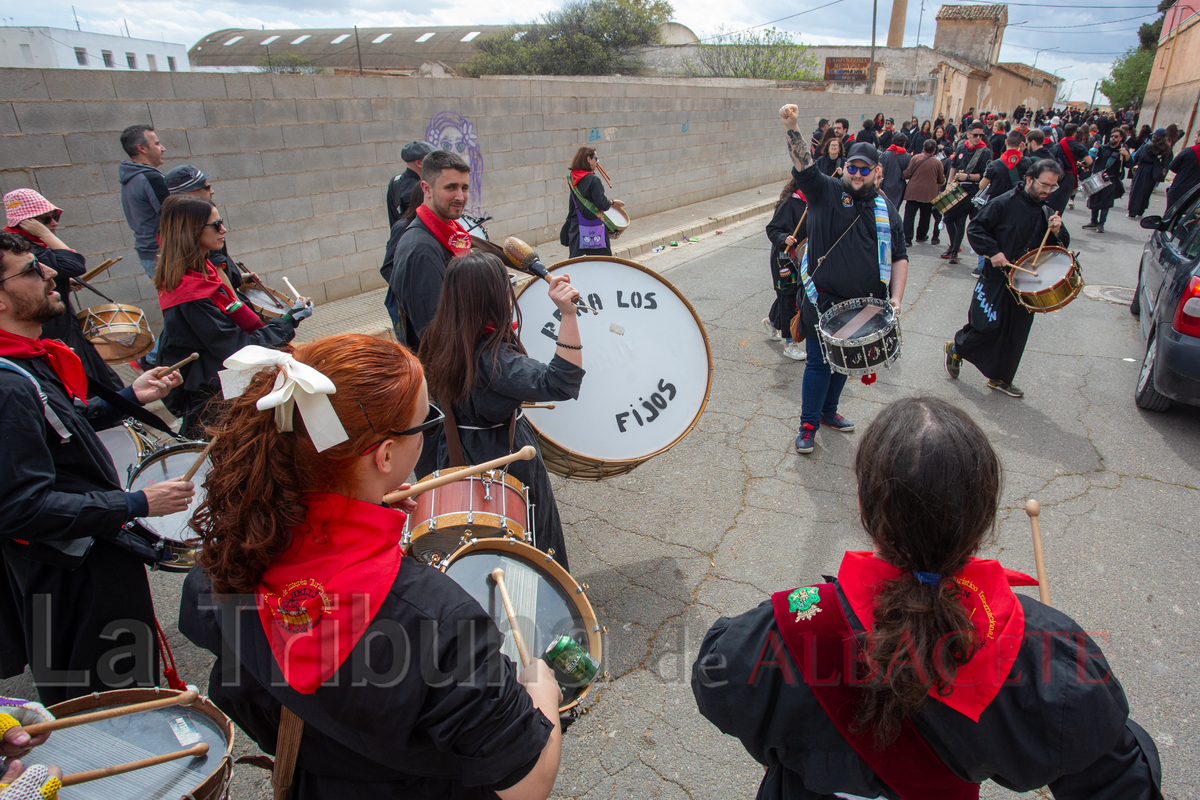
1092,102
358,47
871,68
73,11
269,66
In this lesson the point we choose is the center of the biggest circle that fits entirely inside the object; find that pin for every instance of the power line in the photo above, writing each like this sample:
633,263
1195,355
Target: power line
1083,25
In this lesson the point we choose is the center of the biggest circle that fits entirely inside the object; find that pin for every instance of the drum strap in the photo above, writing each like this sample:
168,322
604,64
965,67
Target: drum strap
51,416
453,443
583,201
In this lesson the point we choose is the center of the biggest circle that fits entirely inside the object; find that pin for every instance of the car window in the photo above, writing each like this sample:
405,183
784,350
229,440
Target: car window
1185,231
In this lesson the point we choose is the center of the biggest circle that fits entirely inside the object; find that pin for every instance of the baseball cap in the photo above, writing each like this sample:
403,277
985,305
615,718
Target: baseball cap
185,179
415,151
863,151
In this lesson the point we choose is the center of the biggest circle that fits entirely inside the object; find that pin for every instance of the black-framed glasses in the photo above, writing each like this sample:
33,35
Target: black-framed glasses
45,219
853,170
433,421
216,224
34,266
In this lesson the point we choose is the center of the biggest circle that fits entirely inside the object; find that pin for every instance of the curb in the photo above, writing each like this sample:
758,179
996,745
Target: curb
646,244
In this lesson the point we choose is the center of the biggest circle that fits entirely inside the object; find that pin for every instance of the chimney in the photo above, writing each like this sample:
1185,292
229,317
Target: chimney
896,28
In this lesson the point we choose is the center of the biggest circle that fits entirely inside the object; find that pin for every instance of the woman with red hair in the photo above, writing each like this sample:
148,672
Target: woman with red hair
305,597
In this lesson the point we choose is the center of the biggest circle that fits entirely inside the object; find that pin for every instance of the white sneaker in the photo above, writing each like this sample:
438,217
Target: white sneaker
773,335
795,351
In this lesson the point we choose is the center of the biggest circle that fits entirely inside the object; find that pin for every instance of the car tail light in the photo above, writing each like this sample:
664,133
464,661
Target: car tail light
1187,316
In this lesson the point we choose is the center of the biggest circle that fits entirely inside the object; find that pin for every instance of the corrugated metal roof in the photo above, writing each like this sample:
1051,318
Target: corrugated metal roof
382,48
973,12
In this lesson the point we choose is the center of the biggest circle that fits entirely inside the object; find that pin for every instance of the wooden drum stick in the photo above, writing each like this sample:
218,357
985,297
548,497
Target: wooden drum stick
537,405
604,175
184,699
181,364
524,454
291,288
187,476
96,270
498,577
1033,508
1031,272
1040,246
120,769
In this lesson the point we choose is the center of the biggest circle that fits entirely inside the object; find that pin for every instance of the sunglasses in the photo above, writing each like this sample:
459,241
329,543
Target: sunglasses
433,421
34,266
52,215
853,170
216,225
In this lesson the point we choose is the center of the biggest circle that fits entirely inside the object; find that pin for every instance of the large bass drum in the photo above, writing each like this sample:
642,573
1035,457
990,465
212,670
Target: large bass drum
649,368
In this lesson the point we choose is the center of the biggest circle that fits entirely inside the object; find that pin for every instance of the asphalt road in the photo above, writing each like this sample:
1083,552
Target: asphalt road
731,515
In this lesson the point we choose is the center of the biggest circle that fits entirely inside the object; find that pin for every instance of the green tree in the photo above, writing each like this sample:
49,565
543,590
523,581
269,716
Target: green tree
1126,84
1149,32
584,37
771,54
288,63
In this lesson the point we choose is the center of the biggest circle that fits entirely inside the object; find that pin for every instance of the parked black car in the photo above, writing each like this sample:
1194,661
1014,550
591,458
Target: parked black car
1167,300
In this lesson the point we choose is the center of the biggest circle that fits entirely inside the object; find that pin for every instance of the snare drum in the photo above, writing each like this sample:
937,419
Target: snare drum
859,336
1058,281
163,464
951,196
547,602
118,332
492,504
127,446
268,304
649,368
617,219
146,734
1090,186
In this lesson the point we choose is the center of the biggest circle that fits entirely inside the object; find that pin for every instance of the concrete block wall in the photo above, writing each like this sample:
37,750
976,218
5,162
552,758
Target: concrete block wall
300,162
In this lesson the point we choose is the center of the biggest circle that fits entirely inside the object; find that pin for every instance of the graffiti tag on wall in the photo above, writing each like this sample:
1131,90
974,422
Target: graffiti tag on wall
455,134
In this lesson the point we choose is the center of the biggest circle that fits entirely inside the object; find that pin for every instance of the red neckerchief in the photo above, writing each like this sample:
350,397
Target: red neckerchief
897,149
1196,150
27,235
982,143
1064,145
318,598
451,234
208,285
490,328
799,195
1011,158
579,174
62,360
997,614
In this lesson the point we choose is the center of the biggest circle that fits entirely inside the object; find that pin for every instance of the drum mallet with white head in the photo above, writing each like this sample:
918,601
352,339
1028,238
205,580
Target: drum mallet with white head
520,253
1033,508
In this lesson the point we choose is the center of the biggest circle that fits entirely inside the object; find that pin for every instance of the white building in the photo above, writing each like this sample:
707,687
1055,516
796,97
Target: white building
58,48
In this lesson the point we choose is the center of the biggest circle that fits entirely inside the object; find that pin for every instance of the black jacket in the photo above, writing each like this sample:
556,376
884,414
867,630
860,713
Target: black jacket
1186,167
1011,224
894,165
418,267
1072,734
399,192
591,188
853,268
1000,179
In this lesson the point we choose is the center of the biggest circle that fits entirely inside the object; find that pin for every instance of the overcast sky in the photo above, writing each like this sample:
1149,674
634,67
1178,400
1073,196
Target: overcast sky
1088,36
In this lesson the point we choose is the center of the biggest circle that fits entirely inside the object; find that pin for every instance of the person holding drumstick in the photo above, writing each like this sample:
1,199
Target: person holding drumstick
849,220
201,312
1004,230
584,231
950,678
65,581
394,669
480,374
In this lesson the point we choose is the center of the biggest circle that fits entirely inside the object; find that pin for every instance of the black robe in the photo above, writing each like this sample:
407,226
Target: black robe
66,328
58,498
199,326
399,192
1186,167
1074,735
1148,170
787,216
1068,183
379,728
962,162
483,423
828,165
1000,179
1108,161
590,187
418,267
1011,224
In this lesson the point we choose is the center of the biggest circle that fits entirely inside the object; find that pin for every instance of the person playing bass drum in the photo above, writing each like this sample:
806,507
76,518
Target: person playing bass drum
918,673
998,326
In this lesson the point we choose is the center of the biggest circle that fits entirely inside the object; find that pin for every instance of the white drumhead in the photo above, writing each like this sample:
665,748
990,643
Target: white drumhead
167,465
646,356
1051,268
617,216
121,446
263,299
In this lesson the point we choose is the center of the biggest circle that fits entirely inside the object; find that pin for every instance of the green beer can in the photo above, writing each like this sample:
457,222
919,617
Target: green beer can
570,658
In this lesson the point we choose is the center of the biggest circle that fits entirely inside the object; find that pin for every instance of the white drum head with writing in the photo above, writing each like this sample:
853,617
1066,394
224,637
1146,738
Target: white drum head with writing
646,357
1052,268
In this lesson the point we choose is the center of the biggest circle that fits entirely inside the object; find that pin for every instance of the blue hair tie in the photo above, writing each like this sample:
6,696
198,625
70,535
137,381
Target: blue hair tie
931,578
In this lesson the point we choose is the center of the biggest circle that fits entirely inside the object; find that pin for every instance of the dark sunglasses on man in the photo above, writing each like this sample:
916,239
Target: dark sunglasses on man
433,421
33,266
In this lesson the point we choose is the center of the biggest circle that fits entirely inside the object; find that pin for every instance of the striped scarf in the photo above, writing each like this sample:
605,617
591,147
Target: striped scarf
883,235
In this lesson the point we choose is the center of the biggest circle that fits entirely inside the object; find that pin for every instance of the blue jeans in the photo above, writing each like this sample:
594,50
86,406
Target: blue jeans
1099,216
821,388
149,265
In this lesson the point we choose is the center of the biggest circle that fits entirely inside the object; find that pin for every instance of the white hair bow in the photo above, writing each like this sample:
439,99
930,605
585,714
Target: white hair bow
297,384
